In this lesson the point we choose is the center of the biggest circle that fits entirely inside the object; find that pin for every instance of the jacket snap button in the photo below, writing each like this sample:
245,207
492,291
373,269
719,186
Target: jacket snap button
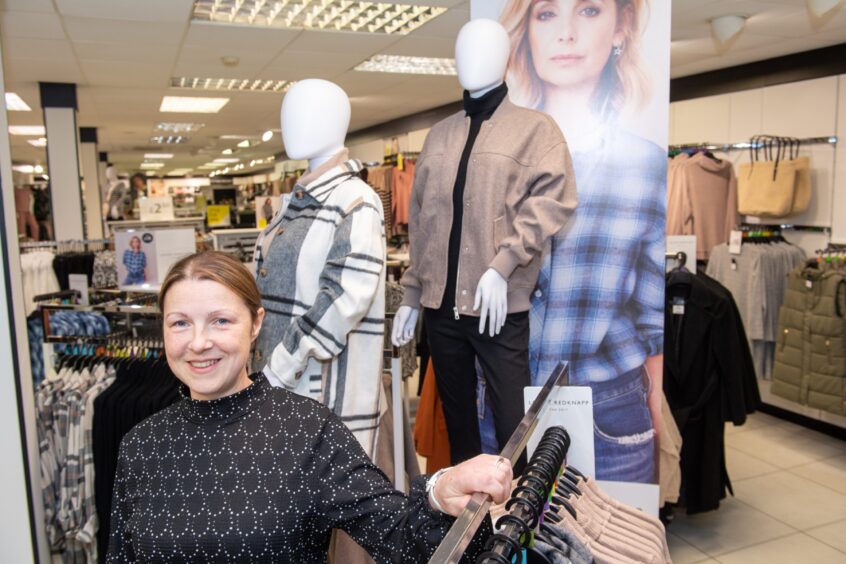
538,294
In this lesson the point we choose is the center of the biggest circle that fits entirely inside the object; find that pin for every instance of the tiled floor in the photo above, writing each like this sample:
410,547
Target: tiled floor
789,505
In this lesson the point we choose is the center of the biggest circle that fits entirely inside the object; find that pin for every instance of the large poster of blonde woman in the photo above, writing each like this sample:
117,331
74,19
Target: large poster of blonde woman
600,69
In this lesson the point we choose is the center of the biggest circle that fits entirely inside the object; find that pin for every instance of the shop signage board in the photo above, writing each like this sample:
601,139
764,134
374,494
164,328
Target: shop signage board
156,209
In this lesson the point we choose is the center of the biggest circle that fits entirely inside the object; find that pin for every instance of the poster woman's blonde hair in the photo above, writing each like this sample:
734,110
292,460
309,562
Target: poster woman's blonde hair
623,81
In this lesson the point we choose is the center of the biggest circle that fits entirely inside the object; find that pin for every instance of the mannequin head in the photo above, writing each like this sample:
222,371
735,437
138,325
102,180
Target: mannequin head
315,117
481,55
111,174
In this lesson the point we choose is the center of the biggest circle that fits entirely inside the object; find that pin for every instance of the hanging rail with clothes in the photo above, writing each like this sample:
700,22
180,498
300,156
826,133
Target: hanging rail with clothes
745,145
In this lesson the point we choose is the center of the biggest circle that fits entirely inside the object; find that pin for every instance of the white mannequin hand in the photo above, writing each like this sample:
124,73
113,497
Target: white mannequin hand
492,297
405,321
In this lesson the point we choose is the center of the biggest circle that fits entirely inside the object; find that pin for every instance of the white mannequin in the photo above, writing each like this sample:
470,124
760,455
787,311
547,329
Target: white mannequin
315,117
112,209
481,58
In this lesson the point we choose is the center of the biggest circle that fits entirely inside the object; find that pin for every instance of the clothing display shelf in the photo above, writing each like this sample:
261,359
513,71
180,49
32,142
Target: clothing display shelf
706,146
514,531
198,222
128,305
74,245
462,531
238,242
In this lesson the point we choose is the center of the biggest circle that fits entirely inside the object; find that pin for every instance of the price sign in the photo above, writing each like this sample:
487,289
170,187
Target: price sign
218,216
156,209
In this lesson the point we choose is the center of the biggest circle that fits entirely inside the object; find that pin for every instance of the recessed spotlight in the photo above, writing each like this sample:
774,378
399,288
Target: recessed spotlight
227,151
244,144
267,136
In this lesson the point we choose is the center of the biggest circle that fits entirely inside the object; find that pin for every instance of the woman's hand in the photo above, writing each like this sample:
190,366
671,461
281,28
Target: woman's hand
485,473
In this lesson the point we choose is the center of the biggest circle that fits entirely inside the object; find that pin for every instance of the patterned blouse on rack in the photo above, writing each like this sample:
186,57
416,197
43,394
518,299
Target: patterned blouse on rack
263,475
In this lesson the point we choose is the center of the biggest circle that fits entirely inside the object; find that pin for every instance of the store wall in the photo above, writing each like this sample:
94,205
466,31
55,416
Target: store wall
809,108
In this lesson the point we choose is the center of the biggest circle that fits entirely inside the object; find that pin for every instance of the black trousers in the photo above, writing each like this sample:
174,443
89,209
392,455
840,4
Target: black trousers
454,346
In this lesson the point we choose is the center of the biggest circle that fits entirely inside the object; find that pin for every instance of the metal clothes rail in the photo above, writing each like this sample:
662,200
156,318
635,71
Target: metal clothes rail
725,147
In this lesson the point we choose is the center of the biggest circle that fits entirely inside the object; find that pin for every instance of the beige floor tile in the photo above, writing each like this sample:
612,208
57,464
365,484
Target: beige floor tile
783,448
733,526
682,552
833,535
788,550
800,503
742,466
830,472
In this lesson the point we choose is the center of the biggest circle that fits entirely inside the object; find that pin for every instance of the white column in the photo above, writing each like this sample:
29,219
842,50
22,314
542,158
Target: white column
91,182
22,517
59,104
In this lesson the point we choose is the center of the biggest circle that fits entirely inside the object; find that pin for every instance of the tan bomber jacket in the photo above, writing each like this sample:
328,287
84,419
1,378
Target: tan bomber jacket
520,190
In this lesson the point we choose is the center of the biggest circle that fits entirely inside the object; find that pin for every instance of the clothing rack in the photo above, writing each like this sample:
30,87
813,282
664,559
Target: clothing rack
128,305
724,147
528,500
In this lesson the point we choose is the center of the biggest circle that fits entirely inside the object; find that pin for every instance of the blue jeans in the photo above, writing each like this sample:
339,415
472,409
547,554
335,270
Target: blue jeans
624,440
134,278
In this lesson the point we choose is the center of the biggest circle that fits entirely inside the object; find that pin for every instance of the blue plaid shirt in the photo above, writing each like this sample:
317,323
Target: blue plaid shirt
599,301
134,262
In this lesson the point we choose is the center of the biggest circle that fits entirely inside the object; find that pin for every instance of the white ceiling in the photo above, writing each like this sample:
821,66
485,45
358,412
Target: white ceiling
122,54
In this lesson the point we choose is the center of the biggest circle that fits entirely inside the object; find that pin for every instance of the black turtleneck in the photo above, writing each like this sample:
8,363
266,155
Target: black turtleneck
262,475
479,110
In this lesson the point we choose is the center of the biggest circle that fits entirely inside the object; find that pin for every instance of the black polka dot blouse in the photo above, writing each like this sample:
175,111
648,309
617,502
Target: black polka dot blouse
260,476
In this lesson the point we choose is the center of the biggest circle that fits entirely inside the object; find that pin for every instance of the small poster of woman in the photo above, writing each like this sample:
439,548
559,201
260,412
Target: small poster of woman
137,259
599,301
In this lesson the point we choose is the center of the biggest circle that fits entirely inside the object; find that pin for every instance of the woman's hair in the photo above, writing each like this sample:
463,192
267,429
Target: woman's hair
218,267
623,80
139,176
135,238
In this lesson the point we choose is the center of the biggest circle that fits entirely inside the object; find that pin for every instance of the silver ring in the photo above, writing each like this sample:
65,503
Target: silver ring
499,461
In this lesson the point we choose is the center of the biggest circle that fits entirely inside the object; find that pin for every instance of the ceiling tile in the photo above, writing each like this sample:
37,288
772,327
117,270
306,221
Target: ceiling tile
296,65
41,70
356,83
238,37
58,50
30,24
125,73
413,45
118,31
142,11
160,52
342,42
28,6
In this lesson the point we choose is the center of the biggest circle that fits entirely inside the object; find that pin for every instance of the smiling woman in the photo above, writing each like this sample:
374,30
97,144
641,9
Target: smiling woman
240,471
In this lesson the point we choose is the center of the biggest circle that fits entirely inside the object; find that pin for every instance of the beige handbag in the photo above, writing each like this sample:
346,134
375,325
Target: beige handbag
767,187
802,165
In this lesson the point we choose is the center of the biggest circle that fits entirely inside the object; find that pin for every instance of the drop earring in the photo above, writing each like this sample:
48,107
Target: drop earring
617,51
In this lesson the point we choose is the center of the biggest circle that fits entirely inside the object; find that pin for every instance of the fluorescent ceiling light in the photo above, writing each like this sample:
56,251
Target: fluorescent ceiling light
332,15
152,165
235,137
150,173
158,155
27,130
408,65
15,103
191,105
179,172
227,151
229,84
25,169
168,139
267,135
227,160
245,143
179,127
210,166
40,142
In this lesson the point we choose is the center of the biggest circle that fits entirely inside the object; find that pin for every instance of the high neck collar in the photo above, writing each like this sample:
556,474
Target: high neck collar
226,409
486,103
